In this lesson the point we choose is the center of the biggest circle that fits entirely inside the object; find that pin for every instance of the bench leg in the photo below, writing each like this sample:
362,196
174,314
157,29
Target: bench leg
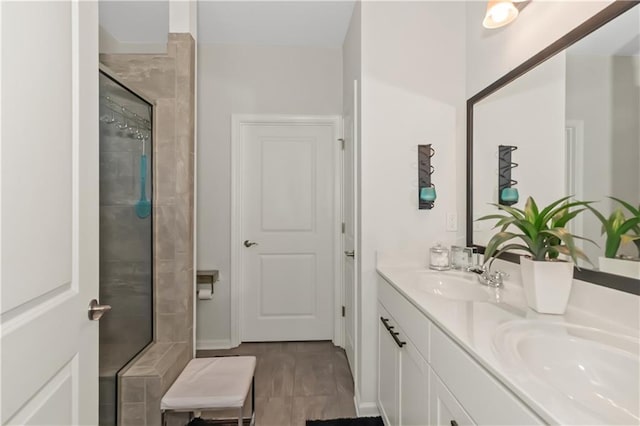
240,416
253,401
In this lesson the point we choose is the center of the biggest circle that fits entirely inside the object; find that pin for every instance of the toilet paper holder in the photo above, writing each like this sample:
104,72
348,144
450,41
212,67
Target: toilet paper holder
205,280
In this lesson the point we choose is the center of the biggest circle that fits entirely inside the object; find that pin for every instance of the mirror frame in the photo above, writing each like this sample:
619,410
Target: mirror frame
617,282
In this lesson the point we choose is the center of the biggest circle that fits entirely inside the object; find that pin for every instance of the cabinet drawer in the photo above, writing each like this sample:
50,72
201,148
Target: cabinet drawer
413,322
486,400
445,409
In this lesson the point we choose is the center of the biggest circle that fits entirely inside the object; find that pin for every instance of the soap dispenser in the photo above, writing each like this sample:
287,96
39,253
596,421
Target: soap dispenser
439,258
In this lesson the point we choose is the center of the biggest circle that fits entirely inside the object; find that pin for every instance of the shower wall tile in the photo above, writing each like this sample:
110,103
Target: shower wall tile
153,388
166,173
129,235
165,232
165,128
133,389
119,141
133,414
152,75
171,298
172,327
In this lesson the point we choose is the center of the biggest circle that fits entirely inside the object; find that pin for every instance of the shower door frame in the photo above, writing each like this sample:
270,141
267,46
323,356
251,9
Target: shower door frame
104,70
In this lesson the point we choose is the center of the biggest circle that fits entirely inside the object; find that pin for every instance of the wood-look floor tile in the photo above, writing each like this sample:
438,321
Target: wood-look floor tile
319,408
319,346
275,374
342,372
273,411
314,375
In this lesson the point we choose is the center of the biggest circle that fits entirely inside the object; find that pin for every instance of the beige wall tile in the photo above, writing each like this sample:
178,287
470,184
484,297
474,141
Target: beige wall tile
133,414
132,389
153,395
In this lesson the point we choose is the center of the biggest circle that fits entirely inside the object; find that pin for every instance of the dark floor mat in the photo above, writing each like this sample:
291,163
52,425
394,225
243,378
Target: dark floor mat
358,421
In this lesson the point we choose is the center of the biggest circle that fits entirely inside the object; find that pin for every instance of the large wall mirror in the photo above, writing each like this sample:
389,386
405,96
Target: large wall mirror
566,122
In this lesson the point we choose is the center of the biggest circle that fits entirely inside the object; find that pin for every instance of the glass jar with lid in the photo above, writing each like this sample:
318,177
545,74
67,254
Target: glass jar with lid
439,258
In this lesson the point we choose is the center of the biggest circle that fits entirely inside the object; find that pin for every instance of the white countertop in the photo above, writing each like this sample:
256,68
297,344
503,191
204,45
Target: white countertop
472,325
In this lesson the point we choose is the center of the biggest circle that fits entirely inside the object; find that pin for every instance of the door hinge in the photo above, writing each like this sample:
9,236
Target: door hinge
344,227
343,311
341,143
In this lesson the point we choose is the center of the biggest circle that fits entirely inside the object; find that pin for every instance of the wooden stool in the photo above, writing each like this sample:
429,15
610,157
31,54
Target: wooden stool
212,384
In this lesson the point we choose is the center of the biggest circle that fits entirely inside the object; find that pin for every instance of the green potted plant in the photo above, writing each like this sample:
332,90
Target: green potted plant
619,230
542,237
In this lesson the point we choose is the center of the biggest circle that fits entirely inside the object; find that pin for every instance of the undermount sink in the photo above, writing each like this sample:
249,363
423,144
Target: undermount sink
596,370
450,286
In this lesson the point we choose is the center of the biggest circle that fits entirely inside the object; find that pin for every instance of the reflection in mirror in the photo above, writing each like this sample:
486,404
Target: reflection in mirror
574,120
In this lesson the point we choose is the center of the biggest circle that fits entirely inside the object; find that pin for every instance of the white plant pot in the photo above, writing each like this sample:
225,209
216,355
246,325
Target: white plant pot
624,267
547,285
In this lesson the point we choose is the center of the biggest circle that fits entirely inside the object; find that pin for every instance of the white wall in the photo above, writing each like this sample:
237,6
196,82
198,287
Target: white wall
246,80
413,92
134,26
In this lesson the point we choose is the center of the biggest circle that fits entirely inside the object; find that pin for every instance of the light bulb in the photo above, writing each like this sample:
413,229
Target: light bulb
499,13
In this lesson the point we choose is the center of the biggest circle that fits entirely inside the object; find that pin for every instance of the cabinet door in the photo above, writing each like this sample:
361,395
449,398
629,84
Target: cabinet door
445,409
388,372
414,385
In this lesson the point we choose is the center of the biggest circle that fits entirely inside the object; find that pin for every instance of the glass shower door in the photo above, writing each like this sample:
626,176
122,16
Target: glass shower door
126,232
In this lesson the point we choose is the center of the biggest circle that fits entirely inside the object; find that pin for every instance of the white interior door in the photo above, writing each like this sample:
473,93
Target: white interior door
289,224
49,203
349,230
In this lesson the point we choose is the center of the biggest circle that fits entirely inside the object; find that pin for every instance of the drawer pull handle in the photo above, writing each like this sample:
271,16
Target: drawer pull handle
454,423
394,334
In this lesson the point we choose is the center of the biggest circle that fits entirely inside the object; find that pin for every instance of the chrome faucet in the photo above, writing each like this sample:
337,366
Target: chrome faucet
488,278
492,279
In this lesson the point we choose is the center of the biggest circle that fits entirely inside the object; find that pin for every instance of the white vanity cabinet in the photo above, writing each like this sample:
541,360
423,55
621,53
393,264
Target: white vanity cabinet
403,375
425,378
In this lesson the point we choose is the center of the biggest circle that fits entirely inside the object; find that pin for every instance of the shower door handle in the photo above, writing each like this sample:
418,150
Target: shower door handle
96,310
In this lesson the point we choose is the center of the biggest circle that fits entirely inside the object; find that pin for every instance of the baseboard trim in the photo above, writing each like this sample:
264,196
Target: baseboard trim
213,344
365,409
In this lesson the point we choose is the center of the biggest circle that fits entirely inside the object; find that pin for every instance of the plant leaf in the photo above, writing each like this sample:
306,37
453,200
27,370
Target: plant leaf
531,210
495,241
551,206
579,253
492,216
515,212
564,209
632,210
565,236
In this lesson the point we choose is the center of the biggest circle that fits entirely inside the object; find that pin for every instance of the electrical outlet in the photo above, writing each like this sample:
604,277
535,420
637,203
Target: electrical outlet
452,222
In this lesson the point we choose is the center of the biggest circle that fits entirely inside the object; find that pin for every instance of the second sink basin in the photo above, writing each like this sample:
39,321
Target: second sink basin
595,370
451,286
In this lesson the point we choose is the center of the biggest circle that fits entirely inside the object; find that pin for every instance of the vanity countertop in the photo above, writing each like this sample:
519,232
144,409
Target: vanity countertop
478,326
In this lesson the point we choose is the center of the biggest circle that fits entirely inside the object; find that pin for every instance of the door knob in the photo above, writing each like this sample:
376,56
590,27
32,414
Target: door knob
350,253
248,243
96,310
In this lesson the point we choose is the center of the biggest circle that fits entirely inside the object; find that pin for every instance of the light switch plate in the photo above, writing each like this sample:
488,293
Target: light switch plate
452,222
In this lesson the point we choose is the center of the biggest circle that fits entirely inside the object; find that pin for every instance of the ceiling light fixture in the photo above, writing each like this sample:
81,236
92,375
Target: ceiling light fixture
499,13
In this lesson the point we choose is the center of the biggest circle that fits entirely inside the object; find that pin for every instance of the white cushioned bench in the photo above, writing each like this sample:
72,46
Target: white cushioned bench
210,384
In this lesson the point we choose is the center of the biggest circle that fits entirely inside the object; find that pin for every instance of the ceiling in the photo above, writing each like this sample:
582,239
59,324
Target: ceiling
286,23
